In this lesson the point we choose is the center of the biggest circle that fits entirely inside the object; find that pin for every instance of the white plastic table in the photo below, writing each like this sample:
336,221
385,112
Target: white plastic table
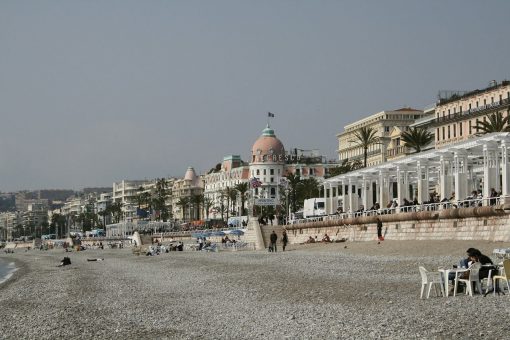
447,271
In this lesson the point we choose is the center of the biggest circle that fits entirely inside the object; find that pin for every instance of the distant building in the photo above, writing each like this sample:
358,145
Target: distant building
458,112
233,171
185,194
388,126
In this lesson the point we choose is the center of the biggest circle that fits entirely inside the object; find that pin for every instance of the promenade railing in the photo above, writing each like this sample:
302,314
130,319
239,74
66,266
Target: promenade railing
435,206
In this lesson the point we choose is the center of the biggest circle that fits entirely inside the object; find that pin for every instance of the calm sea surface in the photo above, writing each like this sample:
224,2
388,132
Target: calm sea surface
6,269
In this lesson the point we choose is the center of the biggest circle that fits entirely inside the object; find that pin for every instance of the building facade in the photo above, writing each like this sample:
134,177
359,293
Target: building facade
388,126
458,113
219,183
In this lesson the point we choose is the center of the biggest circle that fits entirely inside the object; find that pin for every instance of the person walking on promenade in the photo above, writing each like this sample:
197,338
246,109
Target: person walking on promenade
273,239
285,239
379,230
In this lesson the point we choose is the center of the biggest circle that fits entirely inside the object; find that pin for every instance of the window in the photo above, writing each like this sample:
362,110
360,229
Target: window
448,131
258,172
273,191
492,99
460,129
484,102
437,134
264,172
460,109
443,133
470,106
477,103
454,130
470,128
386,129
272,179
271,171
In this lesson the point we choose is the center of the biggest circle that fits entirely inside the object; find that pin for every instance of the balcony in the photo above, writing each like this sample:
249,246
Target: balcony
397,152
474,112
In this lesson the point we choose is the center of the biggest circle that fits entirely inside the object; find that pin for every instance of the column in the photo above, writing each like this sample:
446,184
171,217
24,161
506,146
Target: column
344,196
460,173
366,192
490,169
445,176
505,170
402,185
353,195
384,187
422,169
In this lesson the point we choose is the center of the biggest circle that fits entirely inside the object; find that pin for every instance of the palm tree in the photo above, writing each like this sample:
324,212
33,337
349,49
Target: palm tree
417,138
309,188
207,203
242,188
183,203
197,200
345,167
294,182
364,138
116,210
496,123
161,195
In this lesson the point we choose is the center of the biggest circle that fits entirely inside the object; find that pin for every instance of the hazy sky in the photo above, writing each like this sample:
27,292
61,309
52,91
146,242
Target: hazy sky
93,92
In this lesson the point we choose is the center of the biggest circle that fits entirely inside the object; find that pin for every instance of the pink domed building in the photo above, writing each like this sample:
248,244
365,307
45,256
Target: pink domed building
267,163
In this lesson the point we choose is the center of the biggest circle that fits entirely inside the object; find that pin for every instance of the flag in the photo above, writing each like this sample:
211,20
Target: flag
255,182
271,115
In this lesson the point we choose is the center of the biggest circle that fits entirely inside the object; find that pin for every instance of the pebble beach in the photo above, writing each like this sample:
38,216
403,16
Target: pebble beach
316,291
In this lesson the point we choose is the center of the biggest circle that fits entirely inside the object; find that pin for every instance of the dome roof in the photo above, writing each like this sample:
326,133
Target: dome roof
268,148
190,174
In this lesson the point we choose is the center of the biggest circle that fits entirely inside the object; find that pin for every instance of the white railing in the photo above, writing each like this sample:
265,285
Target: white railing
467,203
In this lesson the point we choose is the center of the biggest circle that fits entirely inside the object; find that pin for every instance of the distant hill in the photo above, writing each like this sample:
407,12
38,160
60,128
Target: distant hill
7,203
98,190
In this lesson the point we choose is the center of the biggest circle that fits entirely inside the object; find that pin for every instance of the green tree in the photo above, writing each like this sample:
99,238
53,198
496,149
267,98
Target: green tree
116,210
309,188
160,197
183,203
417,138
495,123
294,182
197,200
364,138
345,167
242,188
207,202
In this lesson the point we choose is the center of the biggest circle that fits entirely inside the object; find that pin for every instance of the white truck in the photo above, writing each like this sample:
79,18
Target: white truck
314,207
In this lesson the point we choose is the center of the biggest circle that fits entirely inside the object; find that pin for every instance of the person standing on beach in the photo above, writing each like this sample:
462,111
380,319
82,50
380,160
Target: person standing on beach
273,239
379,229
285,239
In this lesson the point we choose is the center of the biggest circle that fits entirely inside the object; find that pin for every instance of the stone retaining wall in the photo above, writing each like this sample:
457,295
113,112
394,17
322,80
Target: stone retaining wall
480,223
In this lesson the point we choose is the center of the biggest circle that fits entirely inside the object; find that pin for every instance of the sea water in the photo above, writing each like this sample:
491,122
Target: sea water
7,268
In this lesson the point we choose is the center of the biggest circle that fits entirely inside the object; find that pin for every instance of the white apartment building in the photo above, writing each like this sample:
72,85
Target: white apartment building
126,192
233,172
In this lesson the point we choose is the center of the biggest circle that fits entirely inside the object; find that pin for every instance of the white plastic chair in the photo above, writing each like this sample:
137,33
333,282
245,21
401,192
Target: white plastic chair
474,277
428,279
504,277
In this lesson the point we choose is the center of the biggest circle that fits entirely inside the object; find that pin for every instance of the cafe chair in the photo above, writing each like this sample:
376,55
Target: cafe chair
428,279
474,277
504,277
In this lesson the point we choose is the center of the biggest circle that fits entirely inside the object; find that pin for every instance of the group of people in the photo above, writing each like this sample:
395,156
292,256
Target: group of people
473,256
265,220
273,238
